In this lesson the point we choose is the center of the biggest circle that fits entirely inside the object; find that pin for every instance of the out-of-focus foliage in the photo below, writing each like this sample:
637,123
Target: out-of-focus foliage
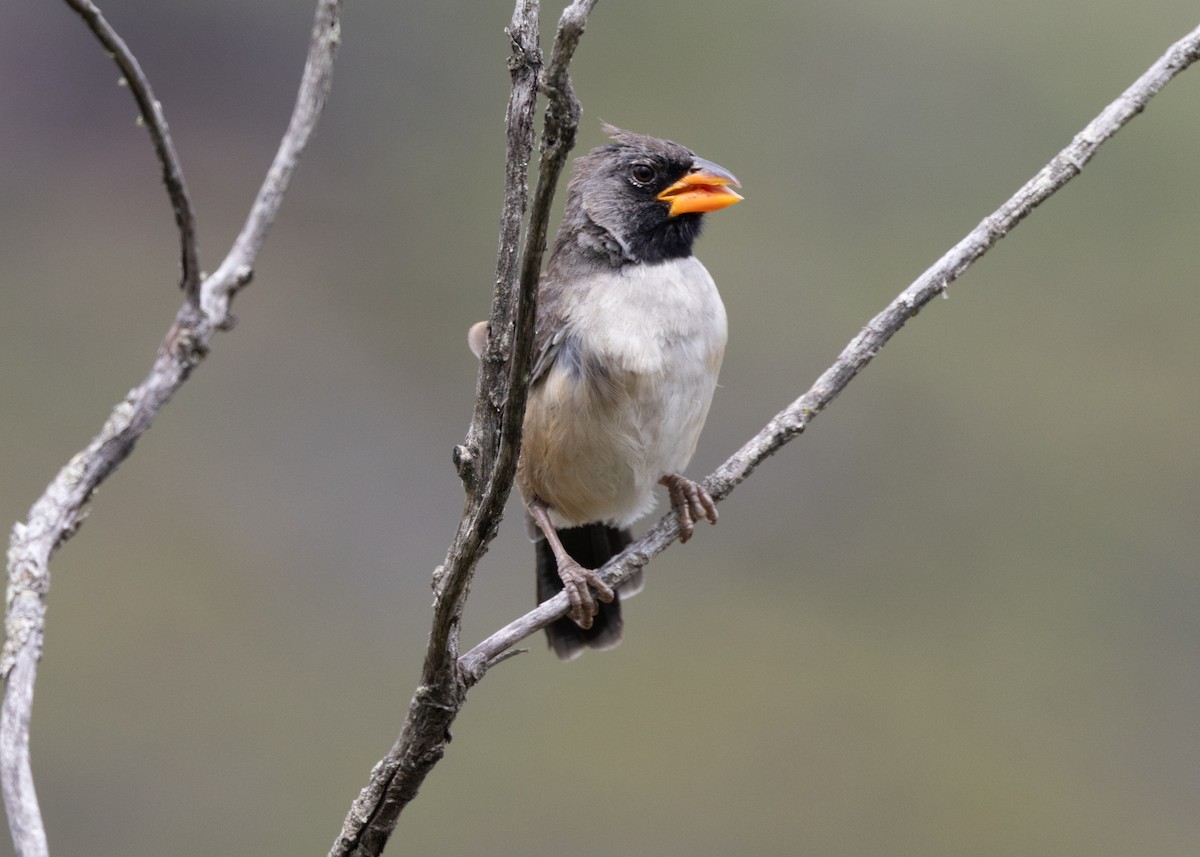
959,616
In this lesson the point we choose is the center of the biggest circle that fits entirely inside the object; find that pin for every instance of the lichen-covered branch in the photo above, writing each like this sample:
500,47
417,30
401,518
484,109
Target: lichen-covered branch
794,419
58,513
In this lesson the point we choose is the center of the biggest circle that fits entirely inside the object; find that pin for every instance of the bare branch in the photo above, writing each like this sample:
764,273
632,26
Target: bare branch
482,460
218,290
20,797
156,122
486,470
490,449
794,419
60,511
487,460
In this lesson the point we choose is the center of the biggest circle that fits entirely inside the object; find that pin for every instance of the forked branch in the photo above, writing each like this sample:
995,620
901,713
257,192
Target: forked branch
794,419
395,780
60,511
487,460
500,398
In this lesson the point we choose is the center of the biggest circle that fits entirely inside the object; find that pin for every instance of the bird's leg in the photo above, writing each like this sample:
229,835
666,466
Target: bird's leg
576,579
690,502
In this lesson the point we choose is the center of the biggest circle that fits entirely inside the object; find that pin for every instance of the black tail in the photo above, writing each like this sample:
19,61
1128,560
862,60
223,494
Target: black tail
591,546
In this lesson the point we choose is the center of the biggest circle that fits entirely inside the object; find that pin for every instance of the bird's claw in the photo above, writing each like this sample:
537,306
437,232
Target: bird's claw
578,583
690,502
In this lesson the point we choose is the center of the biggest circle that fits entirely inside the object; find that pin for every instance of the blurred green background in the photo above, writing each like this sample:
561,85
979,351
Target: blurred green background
958,616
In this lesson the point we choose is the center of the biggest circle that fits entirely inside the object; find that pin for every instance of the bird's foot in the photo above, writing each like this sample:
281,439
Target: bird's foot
578,583
690,502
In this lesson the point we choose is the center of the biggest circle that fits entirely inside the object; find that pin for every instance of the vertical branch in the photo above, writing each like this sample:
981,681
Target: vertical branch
482,465
487,460
486,454
20,796
61,509
558,138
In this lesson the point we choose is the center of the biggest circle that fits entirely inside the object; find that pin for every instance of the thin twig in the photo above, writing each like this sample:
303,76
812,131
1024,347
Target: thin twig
487,460
59,512
794,419
236,270
156,123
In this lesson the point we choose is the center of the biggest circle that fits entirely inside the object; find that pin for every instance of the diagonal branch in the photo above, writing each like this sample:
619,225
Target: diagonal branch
794,419
236,270
60,511
156,122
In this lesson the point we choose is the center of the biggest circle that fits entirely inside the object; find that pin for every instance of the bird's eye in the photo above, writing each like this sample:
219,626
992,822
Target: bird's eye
642,173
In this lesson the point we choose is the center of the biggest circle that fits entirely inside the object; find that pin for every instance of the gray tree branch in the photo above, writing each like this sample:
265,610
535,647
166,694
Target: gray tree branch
794,419
59,512
487,474
487,460
156,121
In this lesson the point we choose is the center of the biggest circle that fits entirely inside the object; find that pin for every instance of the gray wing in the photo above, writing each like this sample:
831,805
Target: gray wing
551,332
545,354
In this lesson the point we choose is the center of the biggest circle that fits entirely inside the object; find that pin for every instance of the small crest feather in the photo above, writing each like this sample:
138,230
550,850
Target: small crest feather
638,141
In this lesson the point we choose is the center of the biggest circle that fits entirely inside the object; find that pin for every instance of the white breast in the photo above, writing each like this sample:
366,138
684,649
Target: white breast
650,339
652,318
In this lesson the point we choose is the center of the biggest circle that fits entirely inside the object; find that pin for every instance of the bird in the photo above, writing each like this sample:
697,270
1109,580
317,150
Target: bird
629,338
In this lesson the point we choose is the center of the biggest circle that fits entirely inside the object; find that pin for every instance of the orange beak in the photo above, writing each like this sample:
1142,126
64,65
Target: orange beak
705,188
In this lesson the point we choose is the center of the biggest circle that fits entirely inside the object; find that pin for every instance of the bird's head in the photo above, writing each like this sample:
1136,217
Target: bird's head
646,194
